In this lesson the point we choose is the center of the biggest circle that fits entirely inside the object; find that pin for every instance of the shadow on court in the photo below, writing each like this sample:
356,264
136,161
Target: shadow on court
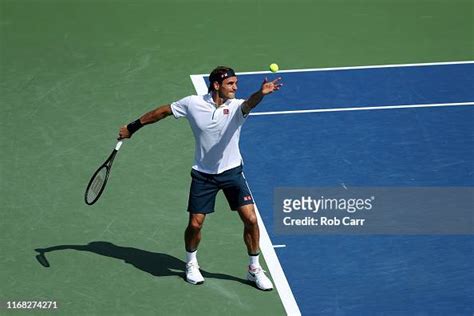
155,263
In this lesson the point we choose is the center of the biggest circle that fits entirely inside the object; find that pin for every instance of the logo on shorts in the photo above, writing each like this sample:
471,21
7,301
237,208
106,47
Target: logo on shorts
247,198
226,111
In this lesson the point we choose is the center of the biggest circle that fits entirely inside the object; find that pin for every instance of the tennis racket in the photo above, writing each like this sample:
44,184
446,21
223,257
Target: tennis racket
97,183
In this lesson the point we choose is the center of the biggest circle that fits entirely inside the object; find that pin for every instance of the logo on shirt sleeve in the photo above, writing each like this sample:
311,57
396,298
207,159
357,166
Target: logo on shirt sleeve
226,111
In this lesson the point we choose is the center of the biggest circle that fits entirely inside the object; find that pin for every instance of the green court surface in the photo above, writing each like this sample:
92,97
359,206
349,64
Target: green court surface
74,71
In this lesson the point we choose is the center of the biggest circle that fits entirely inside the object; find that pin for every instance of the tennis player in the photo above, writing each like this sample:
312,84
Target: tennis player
216,120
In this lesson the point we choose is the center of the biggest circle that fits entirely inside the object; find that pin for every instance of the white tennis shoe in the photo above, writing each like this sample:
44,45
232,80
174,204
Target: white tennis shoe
257,275
193,275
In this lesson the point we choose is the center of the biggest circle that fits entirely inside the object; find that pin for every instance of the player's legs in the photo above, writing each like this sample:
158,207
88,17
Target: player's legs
192,237
202,197
240,199
252,237
251,230
192,234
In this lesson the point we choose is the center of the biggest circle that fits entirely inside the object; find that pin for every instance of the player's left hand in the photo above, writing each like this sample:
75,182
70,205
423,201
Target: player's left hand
271,86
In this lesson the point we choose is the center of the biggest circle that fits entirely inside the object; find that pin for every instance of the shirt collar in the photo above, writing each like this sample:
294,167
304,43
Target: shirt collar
208,98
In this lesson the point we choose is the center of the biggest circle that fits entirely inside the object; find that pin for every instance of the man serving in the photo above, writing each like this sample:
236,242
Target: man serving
216,120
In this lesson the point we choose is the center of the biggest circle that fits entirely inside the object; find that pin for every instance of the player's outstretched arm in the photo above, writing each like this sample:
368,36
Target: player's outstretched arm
153,116
266,88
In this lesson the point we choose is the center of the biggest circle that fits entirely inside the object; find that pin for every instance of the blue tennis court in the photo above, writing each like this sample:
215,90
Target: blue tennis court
379,126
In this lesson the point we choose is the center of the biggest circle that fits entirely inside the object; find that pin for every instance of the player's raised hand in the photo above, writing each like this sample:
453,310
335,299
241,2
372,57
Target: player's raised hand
270,86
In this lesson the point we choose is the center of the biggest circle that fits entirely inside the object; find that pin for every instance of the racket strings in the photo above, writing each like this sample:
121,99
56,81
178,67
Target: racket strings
98,181
97,184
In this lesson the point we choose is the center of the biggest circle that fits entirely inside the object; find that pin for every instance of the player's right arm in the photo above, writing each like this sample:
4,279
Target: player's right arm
151,117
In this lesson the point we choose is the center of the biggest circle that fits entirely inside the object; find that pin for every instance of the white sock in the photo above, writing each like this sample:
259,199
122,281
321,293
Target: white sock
253,263
191,256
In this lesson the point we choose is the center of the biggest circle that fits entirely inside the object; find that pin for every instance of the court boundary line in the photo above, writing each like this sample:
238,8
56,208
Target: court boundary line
199,84
279,278
364,108
351,68
276,270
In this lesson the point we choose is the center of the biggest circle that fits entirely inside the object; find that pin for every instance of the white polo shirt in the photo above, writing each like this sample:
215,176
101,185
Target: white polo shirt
216,131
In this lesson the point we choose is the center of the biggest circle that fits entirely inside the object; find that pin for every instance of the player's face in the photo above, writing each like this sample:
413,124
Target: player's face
228,88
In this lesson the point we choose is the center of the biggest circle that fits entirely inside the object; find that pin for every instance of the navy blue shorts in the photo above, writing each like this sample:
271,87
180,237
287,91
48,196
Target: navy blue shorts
204,188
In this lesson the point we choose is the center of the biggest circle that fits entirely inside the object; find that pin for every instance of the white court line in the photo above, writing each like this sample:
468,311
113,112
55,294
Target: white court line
364,108
279,246
199,84
354,67
279,277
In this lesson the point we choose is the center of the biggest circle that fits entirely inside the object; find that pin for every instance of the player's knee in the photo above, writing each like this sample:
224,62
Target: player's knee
195,226
251,221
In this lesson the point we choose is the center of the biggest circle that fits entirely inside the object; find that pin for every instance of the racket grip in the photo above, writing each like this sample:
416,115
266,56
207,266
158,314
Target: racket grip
119,144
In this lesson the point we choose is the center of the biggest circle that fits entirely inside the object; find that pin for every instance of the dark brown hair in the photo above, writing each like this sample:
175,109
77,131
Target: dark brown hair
219,74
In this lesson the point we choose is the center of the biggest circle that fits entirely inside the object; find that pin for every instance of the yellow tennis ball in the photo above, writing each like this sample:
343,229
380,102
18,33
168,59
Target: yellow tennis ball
274,67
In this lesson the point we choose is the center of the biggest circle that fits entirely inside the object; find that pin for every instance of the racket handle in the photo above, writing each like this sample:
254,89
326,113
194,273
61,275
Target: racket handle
119,143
